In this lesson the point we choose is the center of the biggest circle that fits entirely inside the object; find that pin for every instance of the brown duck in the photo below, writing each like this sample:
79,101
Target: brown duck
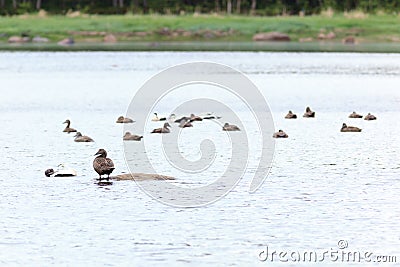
195,118
354,115
291,115
103,165
230,127
68,129
346,128
165,129
370,117
280,134
185,124
132,137
122,119
82,138
309,113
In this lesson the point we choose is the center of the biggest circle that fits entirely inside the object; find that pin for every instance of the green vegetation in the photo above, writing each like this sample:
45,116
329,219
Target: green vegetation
177,7
149,28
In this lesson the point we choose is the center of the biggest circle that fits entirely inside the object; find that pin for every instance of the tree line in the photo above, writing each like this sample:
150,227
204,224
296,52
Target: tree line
250,7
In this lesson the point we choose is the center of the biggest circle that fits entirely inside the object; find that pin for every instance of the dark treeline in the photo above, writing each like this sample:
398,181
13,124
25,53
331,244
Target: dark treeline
252,7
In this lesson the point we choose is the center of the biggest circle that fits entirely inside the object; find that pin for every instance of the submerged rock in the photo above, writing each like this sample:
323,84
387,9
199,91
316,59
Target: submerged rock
140,177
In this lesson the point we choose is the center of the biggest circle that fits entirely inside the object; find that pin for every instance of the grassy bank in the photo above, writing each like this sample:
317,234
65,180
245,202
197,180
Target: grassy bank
205,28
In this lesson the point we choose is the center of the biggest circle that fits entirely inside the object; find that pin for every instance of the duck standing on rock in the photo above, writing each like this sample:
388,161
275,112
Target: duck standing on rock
230,127
122,119
346,128
370,117
82,138
309,113
68,129
280,134
165,129
291,115
103,165
354,115
132,137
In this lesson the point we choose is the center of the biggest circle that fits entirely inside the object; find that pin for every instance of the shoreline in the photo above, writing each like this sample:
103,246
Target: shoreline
208,47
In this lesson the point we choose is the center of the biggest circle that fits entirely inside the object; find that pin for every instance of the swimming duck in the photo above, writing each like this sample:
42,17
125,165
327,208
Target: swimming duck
185,124
346,128
68,129
195,118
63,172
211,116
156,118
165,129
103,165
82,138
309,113
370,117
122,119
132,137
280,134
291,115
182,119
230,127
354,115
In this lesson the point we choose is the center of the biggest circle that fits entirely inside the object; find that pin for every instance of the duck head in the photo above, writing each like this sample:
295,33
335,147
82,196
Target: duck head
290,112
120,119
226,124
78,134
127,134
68,122
308,109
101,153
166,125
344,125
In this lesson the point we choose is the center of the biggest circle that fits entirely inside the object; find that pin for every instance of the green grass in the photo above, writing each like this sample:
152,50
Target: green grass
373,29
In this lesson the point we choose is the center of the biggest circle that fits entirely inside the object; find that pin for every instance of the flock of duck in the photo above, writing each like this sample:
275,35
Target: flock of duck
311,114
105,166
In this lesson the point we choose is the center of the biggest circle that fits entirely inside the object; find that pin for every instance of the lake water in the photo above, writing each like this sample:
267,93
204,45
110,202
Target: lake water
324,185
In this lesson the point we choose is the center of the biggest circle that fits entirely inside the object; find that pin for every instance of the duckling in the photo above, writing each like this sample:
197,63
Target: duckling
132,137
185,124
195,118
280,134
68,129
82,138
122,119
165,129
156,118
230,127
370,117
103,165
291,115
354,115
346,128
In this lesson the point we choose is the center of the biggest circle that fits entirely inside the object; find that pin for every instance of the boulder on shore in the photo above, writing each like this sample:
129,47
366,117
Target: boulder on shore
349,40
271,36
66,41
18,39
110,38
